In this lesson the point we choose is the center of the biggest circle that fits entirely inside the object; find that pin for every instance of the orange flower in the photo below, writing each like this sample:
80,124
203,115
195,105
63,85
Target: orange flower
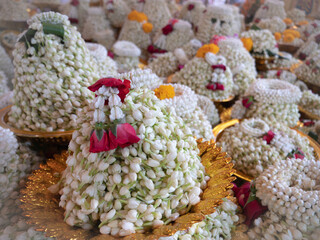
164,92
304,22
147,27
277,36
207,48
288,38
137,16
287,21
295,33
247,43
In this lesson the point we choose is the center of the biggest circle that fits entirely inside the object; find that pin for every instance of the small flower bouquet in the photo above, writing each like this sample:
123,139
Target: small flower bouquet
191,11
207,74
116,11
270,9
126,55
310,102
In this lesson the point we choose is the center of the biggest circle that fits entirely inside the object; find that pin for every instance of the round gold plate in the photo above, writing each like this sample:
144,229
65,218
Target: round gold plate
45,137
308,114
229,99
42,207
218,130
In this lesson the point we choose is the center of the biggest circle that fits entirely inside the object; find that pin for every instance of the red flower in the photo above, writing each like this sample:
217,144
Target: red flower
180,66
265,7
73,20
167,29
257,20
302,56
269,136
247,102
152,49
216,39
106,143
252,209
126,135
111,54
215,86
279,73
317,38
75,2
219,66
190,7
298,156
314,25
308,123
123,86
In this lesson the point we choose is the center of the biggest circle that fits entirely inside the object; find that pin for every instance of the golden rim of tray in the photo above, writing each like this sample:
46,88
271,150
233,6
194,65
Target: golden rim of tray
42,207
64,135
218,130
308,114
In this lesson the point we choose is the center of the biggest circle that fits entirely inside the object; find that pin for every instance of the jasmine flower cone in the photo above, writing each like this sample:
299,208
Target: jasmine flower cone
53,68
125,184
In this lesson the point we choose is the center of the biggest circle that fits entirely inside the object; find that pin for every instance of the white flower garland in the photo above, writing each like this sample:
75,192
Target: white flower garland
251,154
204,73
3,84
296,15
127,55
282,75
307,30
146,185
209,109
311,102
6,64
274,24
308,47
117,11
191,11
271,8
290,189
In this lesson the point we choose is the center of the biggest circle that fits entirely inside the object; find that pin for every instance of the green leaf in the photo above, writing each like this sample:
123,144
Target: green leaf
255,27
99,133
213,20
53,28
114,129
26,39
272,54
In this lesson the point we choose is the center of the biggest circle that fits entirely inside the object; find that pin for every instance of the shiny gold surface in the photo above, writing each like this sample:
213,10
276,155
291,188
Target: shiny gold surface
308,115
224,100
43,137
295,66
218,130
42,207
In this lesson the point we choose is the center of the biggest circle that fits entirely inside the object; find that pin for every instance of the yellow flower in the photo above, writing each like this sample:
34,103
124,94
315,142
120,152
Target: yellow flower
207,48
287,21
164,92
295,33
277,36
137,16
247,43
288,38
304,22
147,27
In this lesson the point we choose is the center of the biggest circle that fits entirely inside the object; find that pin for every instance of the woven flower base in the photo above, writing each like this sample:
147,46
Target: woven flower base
262,63
218,131
288,48
42,207
59,138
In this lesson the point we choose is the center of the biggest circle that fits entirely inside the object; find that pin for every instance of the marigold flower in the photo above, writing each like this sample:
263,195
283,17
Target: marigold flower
287,21
137,16
277,36
164,92
207,48
247,43
288,38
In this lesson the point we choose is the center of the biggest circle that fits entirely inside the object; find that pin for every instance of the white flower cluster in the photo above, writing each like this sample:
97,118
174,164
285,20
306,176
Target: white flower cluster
310,46
251,154
209,109
132,31
127,55
198,73
6,64
274,24
14,11
240,62
142,78
310,102
217,225
297,42
168,63
290,189
271,8
185,104
134,187
182,33
282,63
191,11
282,75
307,30
173,7
158,13
217,20
52,76
117,11
274,101
262,40
296,15
309,71
3,84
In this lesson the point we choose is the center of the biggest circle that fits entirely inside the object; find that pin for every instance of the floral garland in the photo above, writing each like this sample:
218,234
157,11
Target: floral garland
270,8
117,11
297,15
289,37
127,55
168,63
289,189
3,84
191,11
174,35
310,46
137,29
310,102
254,145
209,109
185,101
135,172
309,71
6,65
274,24
309,28
214,78
52,65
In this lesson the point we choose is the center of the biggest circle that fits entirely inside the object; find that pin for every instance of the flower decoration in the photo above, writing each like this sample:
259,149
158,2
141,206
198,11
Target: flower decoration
190,7
247,43
217,38
213,48
165,92
277,36
153,49
219,66
141,18
269,136
287,21
106,137
169,27
246,196
248,101
215,86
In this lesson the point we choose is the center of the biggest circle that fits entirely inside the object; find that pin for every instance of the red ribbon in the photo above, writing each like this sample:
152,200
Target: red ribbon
219,66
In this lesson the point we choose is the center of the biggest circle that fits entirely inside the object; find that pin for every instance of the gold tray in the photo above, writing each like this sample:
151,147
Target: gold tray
35,136
308,115
218,130
42,207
